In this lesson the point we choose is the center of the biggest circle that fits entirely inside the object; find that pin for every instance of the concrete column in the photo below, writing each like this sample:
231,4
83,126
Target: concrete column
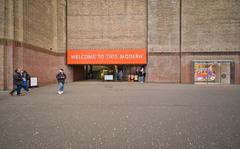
163,41
18,56
2,23
1,67
54,26
8,48
18,20
61,26
2,17
9,19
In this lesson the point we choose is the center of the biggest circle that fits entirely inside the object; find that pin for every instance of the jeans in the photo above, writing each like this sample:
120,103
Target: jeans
14,89
19,87
60,86
25,85
141,79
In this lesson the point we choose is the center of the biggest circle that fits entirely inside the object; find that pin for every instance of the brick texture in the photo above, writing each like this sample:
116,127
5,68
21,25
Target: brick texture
38,23
45,66
163,25
2,13
18,20
61,26
163,36
163,69
8,67
206,26
211,25
1,67
107,24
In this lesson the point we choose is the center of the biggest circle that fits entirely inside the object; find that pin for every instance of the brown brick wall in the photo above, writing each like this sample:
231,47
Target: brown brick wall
206,26
112,24
6,48
1,67
163,25
45,65
8,66
38,23
2,13
39,62
61,26
44,24
18,20
211,25
163,41
163,68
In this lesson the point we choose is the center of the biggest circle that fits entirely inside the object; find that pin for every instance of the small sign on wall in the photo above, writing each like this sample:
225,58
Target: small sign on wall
108,77
33,82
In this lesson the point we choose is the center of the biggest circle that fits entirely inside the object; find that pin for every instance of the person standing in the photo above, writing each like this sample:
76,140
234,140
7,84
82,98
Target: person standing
120,74
61,77
141,75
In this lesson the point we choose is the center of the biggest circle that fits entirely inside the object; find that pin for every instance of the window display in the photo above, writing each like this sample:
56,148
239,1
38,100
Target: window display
211,71
113,72
205,72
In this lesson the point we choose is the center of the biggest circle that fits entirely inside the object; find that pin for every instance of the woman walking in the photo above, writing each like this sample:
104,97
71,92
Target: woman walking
26,78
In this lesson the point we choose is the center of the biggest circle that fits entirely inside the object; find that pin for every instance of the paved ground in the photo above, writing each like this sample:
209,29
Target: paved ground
98,115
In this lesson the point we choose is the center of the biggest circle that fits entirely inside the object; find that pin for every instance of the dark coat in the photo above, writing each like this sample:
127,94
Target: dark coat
26,75
61,77
141,73
17,78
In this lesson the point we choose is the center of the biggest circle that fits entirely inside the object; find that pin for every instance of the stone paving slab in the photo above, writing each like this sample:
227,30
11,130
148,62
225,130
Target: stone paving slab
113,115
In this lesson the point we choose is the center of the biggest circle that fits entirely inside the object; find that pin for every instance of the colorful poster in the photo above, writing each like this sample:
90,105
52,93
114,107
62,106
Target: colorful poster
119,56
204,72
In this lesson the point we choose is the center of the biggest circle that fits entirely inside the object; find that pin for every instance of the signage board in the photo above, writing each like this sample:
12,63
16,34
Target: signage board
33,82
118,56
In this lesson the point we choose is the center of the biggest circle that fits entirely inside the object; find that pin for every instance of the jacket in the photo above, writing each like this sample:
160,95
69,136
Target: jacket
17,78
61,77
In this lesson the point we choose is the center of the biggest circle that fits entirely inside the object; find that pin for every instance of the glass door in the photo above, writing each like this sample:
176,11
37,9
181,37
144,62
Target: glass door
225,73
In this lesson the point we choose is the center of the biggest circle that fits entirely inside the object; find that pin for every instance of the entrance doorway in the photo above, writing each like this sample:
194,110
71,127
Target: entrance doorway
112,72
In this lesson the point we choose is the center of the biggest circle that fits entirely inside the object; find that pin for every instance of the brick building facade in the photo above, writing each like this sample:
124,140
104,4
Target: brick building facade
34,35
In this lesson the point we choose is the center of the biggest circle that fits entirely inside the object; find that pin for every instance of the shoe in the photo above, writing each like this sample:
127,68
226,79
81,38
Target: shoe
59,92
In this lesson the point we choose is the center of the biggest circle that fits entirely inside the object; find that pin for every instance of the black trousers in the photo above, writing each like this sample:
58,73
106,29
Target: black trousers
14,90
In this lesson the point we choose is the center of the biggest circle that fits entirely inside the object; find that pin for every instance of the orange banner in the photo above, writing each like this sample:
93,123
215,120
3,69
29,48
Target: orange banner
121,56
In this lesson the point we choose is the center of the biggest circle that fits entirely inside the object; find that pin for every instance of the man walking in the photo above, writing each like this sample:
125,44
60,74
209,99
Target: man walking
18,82
61,76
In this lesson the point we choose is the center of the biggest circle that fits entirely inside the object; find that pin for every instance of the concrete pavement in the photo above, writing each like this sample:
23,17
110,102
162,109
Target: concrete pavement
112,115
